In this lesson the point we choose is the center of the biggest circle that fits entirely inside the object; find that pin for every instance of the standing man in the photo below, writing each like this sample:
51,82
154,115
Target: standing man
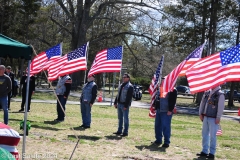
88,97
62,90
210,112
5,88
122,103
23,81
11,75
164,110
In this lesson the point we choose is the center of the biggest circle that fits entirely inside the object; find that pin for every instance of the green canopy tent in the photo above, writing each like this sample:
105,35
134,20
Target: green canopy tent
14,49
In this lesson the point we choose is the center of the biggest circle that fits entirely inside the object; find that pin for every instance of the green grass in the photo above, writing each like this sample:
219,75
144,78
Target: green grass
99,142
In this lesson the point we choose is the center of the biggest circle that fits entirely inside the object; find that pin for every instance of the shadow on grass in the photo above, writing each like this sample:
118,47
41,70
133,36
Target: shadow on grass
91,138
51,122
11,119
151,147
199,158
46,128
113,137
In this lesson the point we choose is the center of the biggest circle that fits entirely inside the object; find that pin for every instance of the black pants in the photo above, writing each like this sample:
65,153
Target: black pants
9,99
24,99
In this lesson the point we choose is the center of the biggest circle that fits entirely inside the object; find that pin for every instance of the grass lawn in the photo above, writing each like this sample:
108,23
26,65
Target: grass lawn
57,140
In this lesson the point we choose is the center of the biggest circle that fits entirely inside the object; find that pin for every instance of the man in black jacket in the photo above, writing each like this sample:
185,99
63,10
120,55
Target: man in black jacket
24,89
11,75
123,103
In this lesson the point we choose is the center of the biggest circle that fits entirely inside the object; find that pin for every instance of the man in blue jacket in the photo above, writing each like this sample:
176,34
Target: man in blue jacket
88,97
164,110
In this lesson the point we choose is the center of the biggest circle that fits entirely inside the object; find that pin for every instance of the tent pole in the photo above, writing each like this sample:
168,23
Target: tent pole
26,109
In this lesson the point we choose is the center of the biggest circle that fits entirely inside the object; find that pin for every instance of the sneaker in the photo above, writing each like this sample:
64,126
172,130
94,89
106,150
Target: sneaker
210,156
165,145
124,135
202,154
21,110
117,133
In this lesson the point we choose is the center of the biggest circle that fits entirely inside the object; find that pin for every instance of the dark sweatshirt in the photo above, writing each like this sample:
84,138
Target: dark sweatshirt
5,85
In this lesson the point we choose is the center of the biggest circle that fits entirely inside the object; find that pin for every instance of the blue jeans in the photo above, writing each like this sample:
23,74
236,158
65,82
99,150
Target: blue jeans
4,104
123,116
209,130
162,127
60,112
86,113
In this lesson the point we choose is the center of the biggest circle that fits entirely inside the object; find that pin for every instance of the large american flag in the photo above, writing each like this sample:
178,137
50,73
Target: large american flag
108,60
154,85
214,70
69,63
43,60
170,80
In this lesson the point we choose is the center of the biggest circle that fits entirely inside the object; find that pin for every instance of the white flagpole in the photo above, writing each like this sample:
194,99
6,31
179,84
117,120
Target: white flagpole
160,73
86,63
114,77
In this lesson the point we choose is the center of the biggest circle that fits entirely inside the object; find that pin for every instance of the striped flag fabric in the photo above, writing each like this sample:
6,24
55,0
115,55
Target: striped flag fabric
191,61
154,85
219,131
215,70
170,80
107,60
43,60
9,139
69,63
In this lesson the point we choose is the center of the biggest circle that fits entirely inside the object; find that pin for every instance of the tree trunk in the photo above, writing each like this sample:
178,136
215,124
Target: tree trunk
233,84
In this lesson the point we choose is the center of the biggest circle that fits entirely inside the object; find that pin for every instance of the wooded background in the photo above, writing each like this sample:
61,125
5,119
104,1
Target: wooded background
146,28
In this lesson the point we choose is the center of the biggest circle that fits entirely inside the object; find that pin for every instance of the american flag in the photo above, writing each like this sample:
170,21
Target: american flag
154,85
69,63
108,60
43,60
214,70
170,80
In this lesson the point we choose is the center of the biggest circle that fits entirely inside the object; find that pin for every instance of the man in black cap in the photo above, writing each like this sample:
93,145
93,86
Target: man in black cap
11,75
122,103
88,97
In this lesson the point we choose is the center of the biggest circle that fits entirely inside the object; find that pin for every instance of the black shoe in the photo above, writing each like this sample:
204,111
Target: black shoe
117,133
21,110
202,154
156,143
82,125
86,127
124,135
165,145
57,120
211,156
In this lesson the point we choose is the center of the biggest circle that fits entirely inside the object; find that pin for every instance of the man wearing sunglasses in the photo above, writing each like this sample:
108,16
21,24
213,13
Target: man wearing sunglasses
122,103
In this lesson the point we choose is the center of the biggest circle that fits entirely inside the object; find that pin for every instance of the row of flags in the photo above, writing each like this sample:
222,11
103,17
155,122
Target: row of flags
108,60
202,73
